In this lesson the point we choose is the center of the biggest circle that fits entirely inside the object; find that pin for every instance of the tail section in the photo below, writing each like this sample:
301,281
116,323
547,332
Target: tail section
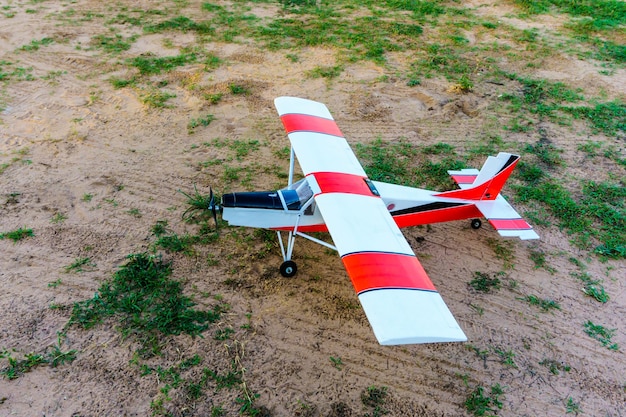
487,182
484,186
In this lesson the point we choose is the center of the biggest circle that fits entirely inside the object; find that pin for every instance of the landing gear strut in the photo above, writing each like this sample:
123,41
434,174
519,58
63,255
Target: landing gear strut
476,223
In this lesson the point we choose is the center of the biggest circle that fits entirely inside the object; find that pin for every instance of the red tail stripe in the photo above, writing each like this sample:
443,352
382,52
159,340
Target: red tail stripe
295,122
510,224
338,182
464,179
375,270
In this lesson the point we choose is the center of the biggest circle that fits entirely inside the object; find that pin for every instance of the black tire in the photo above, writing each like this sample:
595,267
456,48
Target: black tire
288,269
476,223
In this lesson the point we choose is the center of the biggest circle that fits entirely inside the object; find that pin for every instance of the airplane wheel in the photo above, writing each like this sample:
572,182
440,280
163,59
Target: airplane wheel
476,223
288,269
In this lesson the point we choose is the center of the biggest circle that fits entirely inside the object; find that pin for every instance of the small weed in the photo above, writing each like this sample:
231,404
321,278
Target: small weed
79,264
19,367
160,228
592,287
506,357
572,406
539,259
200,121
54,284
326,72
484,283
56,356
479,404
238,89
199,204
223,334
58,218
503,251
555,367
17,235
543,303
156,98
337,362
601,334
375,397
87,197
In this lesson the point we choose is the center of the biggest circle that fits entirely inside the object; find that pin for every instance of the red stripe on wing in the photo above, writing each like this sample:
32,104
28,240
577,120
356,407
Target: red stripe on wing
376,270
339,182
295,122
510,224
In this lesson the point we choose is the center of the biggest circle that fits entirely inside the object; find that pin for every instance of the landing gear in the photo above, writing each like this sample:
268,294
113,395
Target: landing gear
476,223
288,269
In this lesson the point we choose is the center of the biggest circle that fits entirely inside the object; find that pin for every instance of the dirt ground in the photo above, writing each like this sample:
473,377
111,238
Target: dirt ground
303,344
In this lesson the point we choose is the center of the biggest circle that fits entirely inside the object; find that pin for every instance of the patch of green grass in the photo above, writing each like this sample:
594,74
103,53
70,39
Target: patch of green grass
34,45
121,82
387,161
243,148
481,403
156,98
604,14
599,213
608,118
175,243
150,65
113,44
17,235
546,153
485,283
601,334
146,303
180,23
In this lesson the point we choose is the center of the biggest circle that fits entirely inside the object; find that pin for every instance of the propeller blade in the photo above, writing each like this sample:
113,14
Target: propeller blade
213,206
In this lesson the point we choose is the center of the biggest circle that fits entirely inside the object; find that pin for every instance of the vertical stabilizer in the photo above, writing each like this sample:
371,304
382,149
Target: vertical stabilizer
489,181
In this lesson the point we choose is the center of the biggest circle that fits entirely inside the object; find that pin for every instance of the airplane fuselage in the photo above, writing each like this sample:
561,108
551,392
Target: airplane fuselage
408,207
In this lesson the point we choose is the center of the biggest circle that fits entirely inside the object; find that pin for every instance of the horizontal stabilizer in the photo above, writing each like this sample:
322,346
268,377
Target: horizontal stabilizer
505,219
464,177
403,316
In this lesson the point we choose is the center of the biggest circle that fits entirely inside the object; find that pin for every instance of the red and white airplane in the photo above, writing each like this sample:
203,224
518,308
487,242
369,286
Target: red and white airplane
364,218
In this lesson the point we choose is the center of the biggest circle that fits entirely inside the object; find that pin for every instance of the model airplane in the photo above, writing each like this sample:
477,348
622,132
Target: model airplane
364,218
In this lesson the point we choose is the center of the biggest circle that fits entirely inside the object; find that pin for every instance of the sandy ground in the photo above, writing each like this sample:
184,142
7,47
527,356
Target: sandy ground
72,134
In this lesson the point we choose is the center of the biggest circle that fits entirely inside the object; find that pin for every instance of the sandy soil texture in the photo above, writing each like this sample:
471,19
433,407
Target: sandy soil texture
91,169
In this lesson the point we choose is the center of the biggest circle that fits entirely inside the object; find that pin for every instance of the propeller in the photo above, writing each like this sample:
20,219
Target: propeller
213,206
